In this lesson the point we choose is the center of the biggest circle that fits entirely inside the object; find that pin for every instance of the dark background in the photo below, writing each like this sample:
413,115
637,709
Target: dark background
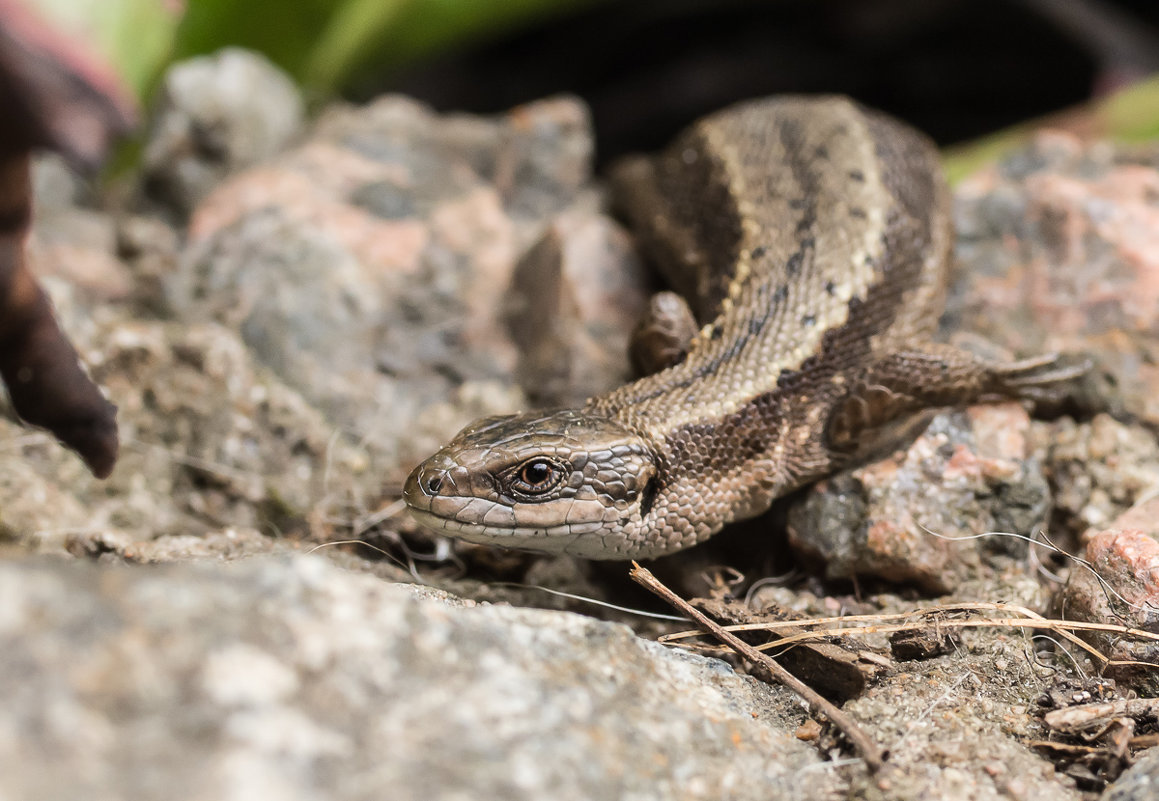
955,68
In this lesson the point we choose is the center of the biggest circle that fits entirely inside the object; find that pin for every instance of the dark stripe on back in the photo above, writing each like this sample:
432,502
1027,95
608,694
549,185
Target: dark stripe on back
789,133
843,349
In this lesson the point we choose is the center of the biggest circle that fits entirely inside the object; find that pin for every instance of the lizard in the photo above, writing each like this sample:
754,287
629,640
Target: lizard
809,239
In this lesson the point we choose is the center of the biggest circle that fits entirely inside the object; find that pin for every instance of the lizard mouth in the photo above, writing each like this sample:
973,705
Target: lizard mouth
553,539
488,522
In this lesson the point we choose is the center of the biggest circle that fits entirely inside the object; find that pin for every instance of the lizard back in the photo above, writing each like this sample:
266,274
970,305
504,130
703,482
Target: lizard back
810,237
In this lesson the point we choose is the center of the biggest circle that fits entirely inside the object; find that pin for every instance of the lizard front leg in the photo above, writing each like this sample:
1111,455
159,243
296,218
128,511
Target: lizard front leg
932,375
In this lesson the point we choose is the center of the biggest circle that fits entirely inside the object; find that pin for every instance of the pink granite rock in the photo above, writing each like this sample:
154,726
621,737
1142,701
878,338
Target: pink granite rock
970,472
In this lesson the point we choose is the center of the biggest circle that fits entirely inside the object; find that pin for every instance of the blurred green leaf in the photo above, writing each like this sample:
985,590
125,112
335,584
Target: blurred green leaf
382,35
284,30
350,32
1132,115
134,36
322,43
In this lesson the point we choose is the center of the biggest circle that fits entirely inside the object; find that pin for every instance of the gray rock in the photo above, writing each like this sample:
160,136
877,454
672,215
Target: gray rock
942,724
970,472
55,184
216,115
1117,584
294,679
368,267
210,442
1100,468
1140,782
1055,253
356,286
71,239
574,299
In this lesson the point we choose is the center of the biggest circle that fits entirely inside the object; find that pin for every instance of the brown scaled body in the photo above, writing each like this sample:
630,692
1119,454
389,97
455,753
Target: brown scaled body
810,237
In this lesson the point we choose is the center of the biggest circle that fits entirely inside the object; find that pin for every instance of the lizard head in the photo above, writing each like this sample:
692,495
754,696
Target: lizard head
560,482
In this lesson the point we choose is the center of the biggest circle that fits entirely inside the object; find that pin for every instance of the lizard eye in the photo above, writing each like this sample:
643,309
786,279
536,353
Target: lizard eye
538,476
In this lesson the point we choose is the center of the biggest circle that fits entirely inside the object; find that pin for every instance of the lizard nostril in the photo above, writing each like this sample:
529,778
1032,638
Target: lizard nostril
434,484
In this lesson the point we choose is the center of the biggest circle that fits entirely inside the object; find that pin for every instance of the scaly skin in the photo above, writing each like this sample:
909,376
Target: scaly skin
811,238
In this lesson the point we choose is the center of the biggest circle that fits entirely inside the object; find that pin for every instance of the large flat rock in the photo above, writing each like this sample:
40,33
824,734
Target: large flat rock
293,679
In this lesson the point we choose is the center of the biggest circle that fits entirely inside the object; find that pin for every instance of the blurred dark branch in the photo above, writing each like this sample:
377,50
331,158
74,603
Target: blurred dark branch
54,97
1125,47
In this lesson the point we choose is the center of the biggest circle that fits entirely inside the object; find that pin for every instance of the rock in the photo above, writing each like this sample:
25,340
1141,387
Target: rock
56,185
942,728
1120,584
149,248
574,299
216,115
363,324
942,718
368,267
907,646
210,441
339,310
956,725
33,505
294,679
77,245
1099,469
1059,242
970,472
97,257
1140,782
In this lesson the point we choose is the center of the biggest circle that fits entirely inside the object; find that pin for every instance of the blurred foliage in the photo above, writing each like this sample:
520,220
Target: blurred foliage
134,36
327,44
323,44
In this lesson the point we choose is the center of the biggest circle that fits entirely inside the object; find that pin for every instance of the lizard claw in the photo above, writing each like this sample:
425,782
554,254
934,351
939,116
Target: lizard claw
1041,379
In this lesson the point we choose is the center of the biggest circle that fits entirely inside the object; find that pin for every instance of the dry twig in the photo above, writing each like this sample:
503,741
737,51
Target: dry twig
862,625
870,752
1093,717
